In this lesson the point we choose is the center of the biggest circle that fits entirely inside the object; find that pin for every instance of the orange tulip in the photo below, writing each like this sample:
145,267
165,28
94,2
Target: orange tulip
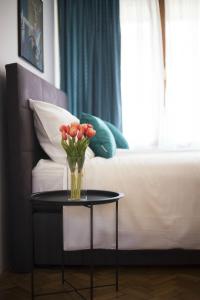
64,128
84,127
73,131
75,125
80,134
90,132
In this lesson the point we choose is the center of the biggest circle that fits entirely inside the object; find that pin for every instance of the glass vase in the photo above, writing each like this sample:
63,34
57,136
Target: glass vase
76,178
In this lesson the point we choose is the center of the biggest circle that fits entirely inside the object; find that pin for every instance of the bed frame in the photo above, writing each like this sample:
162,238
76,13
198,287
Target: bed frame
23,153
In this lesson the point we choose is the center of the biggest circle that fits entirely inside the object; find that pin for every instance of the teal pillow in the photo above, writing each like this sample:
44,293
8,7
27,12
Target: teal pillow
103,143
120,140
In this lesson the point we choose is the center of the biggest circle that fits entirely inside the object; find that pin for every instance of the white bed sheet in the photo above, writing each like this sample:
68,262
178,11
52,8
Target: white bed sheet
160,210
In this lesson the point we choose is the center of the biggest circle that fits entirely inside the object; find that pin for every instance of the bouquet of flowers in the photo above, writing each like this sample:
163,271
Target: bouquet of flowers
75,139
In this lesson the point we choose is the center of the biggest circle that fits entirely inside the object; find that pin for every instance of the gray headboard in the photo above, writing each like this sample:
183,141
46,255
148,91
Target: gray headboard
23,153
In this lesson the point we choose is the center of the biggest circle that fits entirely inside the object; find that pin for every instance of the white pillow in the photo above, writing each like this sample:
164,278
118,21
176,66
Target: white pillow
47,120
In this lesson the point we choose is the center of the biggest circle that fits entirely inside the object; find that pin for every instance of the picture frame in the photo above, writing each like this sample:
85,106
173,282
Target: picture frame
30,32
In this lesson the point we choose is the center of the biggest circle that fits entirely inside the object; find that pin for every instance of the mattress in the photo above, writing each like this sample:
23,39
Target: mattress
160,210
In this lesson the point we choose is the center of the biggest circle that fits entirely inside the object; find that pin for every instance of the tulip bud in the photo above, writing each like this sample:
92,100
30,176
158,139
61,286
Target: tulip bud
84,127
75,125
90,132
73,131
80,135
64,128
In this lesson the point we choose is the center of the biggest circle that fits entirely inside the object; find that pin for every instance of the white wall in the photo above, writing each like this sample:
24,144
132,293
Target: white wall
9,54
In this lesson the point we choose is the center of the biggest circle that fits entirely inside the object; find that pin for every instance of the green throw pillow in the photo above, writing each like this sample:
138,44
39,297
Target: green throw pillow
103,143
120,140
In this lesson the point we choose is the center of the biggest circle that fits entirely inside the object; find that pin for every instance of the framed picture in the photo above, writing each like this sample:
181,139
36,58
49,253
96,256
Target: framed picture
30,32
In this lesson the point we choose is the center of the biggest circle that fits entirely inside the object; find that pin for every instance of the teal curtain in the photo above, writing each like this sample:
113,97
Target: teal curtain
90,57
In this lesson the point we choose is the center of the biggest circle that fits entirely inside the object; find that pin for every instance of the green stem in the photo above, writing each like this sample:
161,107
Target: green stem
76,185
79,182
73,185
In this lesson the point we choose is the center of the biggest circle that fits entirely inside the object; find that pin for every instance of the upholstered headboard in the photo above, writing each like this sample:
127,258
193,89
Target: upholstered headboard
23,153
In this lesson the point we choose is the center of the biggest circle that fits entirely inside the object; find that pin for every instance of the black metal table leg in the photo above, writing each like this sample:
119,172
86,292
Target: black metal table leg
62,250
116,249
33,256
91,254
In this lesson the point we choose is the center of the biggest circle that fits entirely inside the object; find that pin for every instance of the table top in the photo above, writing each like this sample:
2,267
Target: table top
60,198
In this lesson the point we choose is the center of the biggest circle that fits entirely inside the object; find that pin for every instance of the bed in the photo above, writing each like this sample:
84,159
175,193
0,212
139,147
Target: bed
159,216
160,209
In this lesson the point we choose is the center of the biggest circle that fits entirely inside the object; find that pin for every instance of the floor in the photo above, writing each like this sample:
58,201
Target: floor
139,283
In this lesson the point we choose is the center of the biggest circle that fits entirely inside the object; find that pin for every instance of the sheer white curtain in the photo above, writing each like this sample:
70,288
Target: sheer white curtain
182,118
141,72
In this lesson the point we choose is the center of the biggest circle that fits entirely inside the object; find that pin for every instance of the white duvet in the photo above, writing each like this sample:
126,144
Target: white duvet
160,210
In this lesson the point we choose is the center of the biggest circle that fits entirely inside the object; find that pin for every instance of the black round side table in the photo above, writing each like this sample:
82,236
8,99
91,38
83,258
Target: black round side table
54,201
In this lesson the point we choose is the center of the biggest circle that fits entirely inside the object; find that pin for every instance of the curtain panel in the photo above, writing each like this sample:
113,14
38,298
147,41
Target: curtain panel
90,57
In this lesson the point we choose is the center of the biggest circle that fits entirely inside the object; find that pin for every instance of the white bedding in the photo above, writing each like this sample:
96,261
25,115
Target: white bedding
160,210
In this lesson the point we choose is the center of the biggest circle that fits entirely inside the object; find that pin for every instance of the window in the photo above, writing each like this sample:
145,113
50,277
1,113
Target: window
182,111
155,116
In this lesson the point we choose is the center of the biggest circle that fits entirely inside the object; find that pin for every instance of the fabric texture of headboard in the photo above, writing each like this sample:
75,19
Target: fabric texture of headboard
23,153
